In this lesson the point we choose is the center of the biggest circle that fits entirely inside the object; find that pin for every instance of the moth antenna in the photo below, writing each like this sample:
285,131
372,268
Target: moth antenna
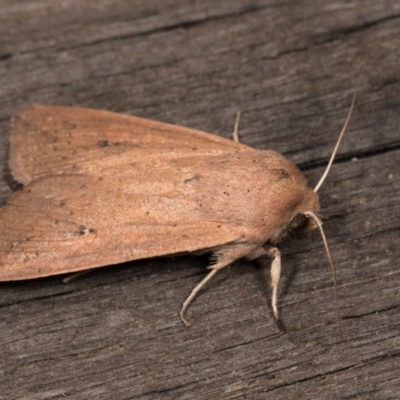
346,123
235,135
335,290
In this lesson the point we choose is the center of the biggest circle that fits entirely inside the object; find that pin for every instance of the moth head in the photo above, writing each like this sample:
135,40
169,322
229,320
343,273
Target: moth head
301,219
299,223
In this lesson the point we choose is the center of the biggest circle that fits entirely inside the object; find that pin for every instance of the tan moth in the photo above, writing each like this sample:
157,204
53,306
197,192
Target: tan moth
101,188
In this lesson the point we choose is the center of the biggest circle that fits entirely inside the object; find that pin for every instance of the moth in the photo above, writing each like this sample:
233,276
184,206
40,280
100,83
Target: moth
101,188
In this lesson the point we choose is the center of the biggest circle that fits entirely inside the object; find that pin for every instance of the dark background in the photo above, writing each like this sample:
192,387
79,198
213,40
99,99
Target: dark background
291,68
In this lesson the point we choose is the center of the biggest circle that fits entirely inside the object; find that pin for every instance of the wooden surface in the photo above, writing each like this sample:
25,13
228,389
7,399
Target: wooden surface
291,68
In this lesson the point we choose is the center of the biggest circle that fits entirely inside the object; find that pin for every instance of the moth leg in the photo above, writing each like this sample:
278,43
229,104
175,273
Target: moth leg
214,269
235,135
275,276
77,275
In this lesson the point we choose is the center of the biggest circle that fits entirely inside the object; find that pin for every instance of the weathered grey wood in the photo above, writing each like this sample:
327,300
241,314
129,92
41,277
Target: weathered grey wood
291,68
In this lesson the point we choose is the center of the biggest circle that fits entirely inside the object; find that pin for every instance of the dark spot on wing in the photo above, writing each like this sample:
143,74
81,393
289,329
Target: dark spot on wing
194,178
106,143
282,173
84,231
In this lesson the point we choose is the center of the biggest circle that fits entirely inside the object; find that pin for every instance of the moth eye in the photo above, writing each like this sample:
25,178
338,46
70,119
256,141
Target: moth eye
298,223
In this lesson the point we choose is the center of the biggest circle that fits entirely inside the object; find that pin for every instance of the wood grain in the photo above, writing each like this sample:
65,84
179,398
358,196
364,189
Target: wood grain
291,69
